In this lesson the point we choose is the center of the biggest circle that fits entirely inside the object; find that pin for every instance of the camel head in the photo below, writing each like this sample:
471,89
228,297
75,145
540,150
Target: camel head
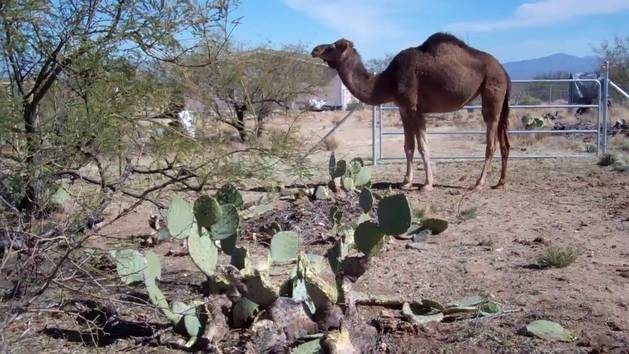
333,54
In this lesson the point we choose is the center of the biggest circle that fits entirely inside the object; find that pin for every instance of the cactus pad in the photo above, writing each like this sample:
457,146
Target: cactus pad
394,214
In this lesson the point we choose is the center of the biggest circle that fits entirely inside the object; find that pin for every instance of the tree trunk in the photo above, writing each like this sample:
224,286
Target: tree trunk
240,120
30,201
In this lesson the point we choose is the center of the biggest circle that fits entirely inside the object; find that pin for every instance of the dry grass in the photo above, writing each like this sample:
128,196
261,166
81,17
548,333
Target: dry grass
331,143
557,257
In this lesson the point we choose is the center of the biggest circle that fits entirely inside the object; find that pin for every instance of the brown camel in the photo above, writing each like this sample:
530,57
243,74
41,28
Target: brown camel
441,75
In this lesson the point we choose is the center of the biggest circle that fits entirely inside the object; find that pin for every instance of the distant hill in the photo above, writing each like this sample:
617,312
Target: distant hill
528,69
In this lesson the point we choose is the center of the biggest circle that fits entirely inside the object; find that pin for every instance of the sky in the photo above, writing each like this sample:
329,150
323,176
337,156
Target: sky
510,30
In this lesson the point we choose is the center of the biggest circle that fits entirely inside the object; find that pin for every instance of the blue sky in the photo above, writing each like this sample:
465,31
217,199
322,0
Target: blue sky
509,29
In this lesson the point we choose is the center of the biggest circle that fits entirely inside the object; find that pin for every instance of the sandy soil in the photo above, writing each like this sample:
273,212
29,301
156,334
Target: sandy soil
559,202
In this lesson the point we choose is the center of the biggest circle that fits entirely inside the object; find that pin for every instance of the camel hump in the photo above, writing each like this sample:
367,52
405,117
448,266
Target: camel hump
440,38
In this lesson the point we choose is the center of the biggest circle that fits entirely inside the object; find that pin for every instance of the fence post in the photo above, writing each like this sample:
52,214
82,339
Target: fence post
373,136
605,99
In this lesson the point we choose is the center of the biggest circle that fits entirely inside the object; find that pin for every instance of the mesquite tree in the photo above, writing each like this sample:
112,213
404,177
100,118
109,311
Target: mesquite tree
75,77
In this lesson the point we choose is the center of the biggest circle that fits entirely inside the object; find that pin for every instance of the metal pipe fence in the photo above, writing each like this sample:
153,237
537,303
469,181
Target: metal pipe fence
600,131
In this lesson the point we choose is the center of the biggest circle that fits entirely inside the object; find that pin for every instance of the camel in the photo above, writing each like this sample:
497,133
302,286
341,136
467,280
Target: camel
441,75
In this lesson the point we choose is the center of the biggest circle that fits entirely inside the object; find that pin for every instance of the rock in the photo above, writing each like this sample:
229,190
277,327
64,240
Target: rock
268,337
292,318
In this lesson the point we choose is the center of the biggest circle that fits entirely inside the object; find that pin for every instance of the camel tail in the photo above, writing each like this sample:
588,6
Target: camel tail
503,122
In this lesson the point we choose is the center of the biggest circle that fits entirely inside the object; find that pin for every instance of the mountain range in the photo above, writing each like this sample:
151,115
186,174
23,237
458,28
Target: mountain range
528,69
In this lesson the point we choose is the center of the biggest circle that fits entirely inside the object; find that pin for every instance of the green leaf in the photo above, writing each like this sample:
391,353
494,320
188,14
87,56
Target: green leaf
229,194
394,214
202,251
153,268
369,238
227,225
550,331
243,312
311,347
179,218
130,265
207,211
284,246
437,226
365,200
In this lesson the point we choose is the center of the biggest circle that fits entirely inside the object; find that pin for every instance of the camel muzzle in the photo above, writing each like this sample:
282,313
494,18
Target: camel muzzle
316,52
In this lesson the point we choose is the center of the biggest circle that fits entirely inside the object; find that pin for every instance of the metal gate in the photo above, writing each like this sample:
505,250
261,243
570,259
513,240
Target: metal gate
600,131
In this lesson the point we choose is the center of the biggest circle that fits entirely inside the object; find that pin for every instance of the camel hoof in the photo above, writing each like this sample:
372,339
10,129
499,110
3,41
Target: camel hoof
407,186
500,185
426,188
477,187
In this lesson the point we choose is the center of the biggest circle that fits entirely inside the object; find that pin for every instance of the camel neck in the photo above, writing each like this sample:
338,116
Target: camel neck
368,88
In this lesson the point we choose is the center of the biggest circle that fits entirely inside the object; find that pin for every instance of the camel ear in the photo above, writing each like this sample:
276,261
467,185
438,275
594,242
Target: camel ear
343,44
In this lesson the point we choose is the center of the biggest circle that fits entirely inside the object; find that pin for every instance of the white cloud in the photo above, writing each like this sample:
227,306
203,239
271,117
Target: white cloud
362,21
543,13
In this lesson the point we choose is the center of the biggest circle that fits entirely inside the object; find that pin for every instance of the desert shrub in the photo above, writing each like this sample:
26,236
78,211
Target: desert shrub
557,257
590,148
607,159
331,143
529,100
355,105
469,213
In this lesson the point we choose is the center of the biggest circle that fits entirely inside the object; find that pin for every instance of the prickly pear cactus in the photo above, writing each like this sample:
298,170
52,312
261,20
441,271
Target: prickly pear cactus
229,194
365,200
284,246
207,211
369,238
227,225
202,250
130,265
394,215
179,218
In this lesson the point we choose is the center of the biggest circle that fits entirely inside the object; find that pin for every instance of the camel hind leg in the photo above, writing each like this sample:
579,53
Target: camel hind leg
409,146
424,150
491,113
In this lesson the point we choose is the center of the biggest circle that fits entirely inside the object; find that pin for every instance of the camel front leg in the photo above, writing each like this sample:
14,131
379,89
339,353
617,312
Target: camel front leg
424,150
409,148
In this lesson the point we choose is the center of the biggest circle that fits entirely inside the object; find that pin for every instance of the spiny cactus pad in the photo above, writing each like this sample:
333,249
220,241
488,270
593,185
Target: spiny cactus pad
179,218
365,200
348,184
202,251
340,169
229,194
130,265
284,246
227,225
394,214
363,177
207,211
437,226
153,268
243,312
369,238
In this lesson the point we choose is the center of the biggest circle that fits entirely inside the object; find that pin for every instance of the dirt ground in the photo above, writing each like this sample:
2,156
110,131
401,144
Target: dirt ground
555,202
